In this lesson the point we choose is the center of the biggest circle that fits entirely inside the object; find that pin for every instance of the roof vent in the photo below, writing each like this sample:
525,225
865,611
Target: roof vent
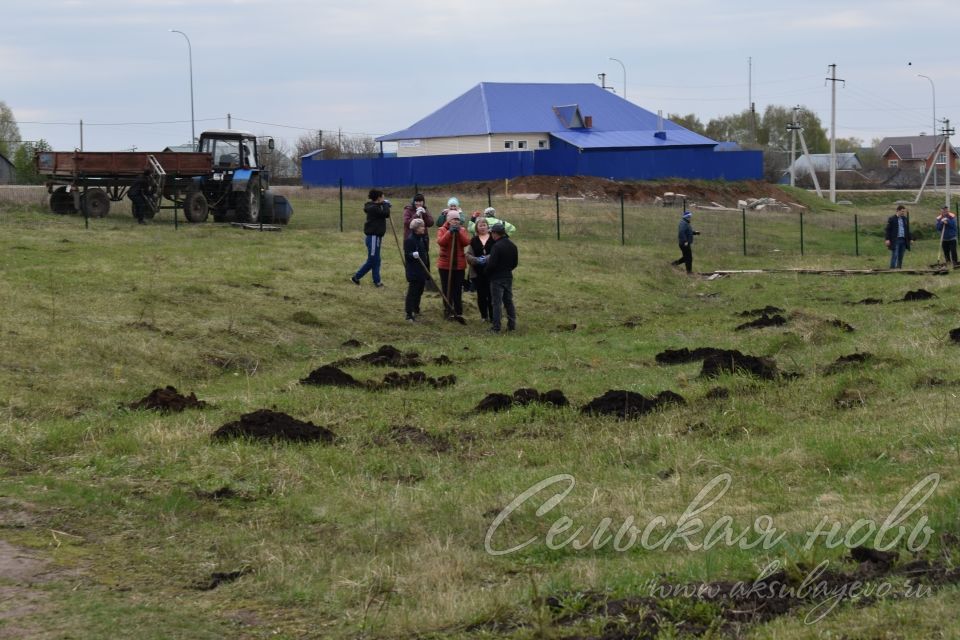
570,116
587,121
660,132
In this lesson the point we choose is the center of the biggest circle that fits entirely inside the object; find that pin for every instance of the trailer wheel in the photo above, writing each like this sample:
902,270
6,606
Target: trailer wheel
61,202
195,207
248,204
95,203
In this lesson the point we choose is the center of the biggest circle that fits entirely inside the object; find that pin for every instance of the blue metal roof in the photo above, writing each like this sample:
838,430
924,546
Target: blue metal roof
504,107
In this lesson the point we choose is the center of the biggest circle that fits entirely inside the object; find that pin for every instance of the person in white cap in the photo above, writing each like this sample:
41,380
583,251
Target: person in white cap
685,235
452,205
491,215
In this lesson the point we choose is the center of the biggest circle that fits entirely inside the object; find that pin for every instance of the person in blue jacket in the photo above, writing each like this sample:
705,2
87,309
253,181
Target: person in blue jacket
417,260
947,226
685,235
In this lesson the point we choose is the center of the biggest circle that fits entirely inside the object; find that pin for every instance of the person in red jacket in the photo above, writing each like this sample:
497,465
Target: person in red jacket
451,262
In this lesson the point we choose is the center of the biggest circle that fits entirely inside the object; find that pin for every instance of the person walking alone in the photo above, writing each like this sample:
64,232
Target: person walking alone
947,226
897,236
685,235
377,210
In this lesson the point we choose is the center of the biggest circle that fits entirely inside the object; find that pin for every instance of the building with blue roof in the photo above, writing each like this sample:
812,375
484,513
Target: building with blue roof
505,130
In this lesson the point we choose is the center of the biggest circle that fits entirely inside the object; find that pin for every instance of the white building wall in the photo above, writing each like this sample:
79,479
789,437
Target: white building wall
473,144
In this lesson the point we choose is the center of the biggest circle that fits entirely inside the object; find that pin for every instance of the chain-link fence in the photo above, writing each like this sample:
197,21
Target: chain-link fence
612,221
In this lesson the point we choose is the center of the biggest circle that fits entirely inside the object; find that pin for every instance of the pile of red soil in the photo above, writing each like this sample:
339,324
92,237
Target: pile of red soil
775,320
386,356
733,361
680,356
409,435
919,294
168,400
521,397
329,375
844,362
628,405
265,424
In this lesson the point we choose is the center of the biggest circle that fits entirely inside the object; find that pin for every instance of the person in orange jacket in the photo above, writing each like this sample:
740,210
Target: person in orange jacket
452,238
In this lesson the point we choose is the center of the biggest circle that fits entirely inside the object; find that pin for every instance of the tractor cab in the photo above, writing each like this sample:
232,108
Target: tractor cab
230,149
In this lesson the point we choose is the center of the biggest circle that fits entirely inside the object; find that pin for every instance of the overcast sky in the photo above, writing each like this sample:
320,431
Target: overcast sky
282,67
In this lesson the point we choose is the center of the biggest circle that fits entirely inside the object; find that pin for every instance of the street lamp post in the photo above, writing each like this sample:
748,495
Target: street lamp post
934,90
622,66
193,132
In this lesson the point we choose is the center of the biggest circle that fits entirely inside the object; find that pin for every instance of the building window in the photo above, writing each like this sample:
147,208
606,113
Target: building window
508,144
893,164
942,158
522,144
541,144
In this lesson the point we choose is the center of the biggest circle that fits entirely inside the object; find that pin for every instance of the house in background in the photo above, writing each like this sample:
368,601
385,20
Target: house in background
506,130
916,153
7,172
821,163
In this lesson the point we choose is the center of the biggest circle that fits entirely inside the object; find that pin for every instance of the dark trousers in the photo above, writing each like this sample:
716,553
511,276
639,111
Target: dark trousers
686,258
484,299
414,293
501,293
950,251
451,284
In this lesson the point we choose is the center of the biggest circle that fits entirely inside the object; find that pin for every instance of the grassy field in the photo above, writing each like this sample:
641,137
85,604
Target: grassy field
135,524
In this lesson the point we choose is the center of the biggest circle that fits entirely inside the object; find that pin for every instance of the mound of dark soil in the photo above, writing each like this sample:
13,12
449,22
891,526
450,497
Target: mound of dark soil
733,361
850,399
386,356
442,360
397,380
840,324
718,393
330,375
764,311
869,301
522,397
763,321
843,362
919,294
409,435
265,424
955,334
223,493
628,405
168,399
494,402
351,343
680,356
218,578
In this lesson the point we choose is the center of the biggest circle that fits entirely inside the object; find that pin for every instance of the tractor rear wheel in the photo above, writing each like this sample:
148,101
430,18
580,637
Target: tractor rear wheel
248,204
61,201
195,207
95,203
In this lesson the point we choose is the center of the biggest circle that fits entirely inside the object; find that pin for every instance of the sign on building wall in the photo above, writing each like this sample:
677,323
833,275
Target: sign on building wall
408,144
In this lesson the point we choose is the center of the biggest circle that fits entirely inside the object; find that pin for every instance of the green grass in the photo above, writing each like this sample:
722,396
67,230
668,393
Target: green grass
362,538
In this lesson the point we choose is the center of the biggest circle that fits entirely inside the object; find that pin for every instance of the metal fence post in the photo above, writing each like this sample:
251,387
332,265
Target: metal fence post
341,205
489,198
558,215
623,240
743,214
856,235
801,233
176,221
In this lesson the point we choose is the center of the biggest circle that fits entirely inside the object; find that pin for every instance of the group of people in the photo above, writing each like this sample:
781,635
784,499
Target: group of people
897,236
478,252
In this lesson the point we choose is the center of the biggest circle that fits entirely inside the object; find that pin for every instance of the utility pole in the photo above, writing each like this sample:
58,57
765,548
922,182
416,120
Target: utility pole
947,132
81,134
228,122
793,127
753,113
833,131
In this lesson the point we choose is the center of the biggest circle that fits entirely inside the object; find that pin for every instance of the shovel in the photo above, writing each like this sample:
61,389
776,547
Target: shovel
446,302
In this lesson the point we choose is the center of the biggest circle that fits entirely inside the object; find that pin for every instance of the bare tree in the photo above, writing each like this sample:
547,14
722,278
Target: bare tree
9,131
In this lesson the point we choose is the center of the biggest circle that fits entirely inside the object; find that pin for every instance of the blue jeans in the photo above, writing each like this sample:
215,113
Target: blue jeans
373,244
897,248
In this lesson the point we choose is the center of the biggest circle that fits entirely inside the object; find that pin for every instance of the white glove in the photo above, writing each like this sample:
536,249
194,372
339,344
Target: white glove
420,212
416,255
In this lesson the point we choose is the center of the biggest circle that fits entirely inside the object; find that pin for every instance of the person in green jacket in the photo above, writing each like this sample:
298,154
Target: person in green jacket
490,214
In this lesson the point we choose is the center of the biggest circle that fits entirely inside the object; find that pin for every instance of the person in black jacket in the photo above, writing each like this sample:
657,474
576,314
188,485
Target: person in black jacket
685,235
480,245
416,256
499,266
377,210
897,236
